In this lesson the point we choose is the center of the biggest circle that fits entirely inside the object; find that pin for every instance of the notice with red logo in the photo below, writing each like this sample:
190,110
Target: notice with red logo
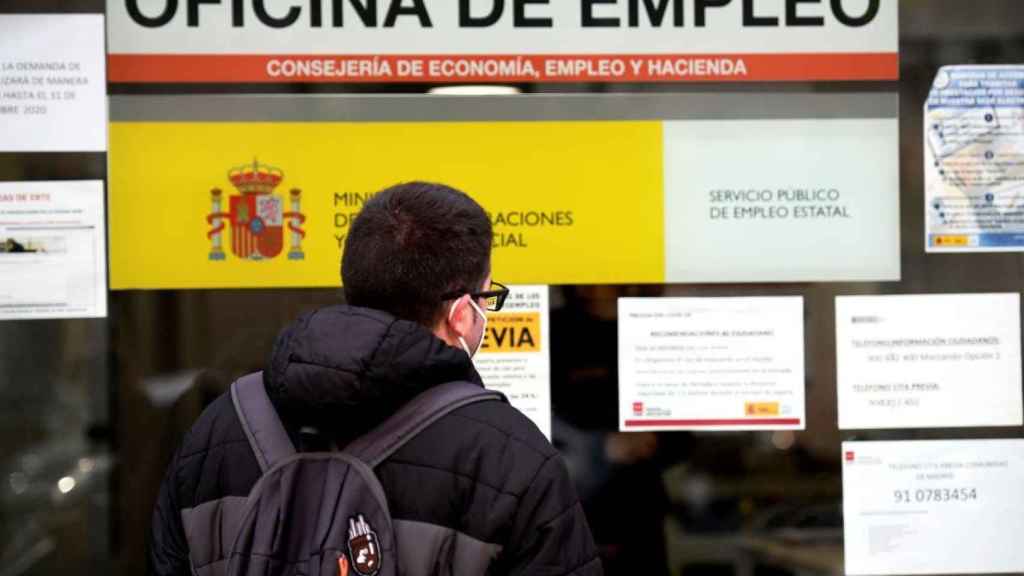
933,507
53,254
515,358
711,364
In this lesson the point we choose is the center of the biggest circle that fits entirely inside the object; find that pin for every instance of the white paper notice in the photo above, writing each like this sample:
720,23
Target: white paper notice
782,200
516,358
53,250
711,364
933,507
929,361
52,83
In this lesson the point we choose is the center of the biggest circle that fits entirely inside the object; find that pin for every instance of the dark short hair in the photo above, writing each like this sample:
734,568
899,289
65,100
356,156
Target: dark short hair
411,245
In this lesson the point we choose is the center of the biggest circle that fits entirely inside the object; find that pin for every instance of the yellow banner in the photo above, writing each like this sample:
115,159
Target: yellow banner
231,205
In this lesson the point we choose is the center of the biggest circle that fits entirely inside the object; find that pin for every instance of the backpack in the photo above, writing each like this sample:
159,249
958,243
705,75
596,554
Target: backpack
325,513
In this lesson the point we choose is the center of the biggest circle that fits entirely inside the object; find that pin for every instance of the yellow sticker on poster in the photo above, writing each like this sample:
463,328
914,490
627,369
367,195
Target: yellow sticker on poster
231,205
515,332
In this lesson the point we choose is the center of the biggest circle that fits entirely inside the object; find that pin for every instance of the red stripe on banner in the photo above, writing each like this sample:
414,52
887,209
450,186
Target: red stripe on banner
276,69
709,423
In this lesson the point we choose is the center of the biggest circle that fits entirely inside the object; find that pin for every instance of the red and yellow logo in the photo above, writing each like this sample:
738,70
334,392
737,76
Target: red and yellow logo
256,215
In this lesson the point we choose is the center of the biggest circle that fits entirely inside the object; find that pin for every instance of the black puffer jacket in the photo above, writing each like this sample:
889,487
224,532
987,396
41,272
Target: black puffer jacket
479,490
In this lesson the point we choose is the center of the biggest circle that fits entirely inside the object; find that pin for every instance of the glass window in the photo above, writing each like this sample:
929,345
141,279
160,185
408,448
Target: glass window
92,410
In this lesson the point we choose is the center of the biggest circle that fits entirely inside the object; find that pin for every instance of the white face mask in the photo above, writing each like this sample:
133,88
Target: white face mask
483,331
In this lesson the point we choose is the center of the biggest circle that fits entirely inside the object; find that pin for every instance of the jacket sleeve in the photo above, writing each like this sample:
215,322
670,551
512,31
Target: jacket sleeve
550,535
168,548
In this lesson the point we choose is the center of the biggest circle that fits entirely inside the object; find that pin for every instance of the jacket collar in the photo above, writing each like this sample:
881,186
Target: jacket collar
345,368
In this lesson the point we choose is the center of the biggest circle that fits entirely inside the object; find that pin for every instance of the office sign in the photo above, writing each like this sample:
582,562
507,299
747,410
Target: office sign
209,192
444,41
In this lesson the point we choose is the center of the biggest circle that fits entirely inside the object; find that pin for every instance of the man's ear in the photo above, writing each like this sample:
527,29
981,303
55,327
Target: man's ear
460,317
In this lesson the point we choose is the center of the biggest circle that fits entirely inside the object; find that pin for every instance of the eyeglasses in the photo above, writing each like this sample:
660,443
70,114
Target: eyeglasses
495,296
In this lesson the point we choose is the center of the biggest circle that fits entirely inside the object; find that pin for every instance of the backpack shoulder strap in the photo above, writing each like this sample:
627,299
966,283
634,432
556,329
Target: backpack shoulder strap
263,428
428,407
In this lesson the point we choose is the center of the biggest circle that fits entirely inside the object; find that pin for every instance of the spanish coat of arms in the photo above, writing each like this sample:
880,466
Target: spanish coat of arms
256,215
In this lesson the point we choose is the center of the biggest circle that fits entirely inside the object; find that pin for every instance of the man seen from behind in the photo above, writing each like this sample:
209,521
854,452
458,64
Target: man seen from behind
480,490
